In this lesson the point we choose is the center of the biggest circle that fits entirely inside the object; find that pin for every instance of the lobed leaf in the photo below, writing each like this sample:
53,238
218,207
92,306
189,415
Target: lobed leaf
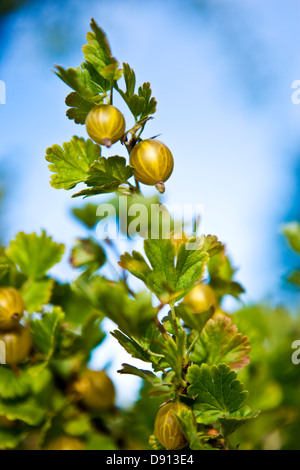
36,294
87,254
220,342
34,254
171,276
79,107
86,214
111,170
27,411
45,332
71,162
216,390
186,420
143,374
97,52
111,298
233,421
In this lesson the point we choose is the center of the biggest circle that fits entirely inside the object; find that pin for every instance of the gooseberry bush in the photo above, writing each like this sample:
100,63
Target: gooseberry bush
174,323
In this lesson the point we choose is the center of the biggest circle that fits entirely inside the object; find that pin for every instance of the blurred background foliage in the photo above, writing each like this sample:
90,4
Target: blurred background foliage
232,65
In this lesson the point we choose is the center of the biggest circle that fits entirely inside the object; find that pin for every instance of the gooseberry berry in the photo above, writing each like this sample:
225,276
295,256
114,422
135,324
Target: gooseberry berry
201,298
18,344
11,307
167,428
105,124
153,163
95,390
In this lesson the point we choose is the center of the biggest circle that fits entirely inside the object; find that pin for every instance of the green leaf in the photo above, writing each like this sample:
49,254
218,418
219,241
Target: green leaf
79,107
135,104
27,411
154,443
11,438
34,254
131,315
142,104
169,277
129,77
220,342
9,273
81,82
4,269
137,266
186,420
36,294
89,90
138,220
87,254
79,426
108,171
40,379
71,162
194,321
76,306
175,351
11,386
211,245
292,233
143,374
132,347
190,266
234,420
29,380
106,175
97,52
150,104
45,332
91,334
112,72
217,391
87,214
221,274
108,188
100,442
150,347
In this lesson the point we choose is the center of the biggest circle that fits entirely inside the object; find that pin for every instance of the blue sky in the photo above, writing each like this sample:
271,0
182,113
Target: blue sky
222,75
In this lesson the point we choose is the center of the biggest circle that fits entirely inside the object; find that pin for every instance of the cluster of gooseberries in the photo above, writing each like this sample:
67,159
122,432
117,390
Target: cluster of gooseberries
17,338
93,390
152,160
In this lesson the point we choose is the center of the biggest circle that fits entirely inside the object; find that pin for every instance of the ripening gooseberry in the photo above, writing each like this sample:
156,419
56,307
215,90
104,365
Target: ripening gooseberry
18,343
201,298
105,124
153,163
11,307
167,428
95,390
66,443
